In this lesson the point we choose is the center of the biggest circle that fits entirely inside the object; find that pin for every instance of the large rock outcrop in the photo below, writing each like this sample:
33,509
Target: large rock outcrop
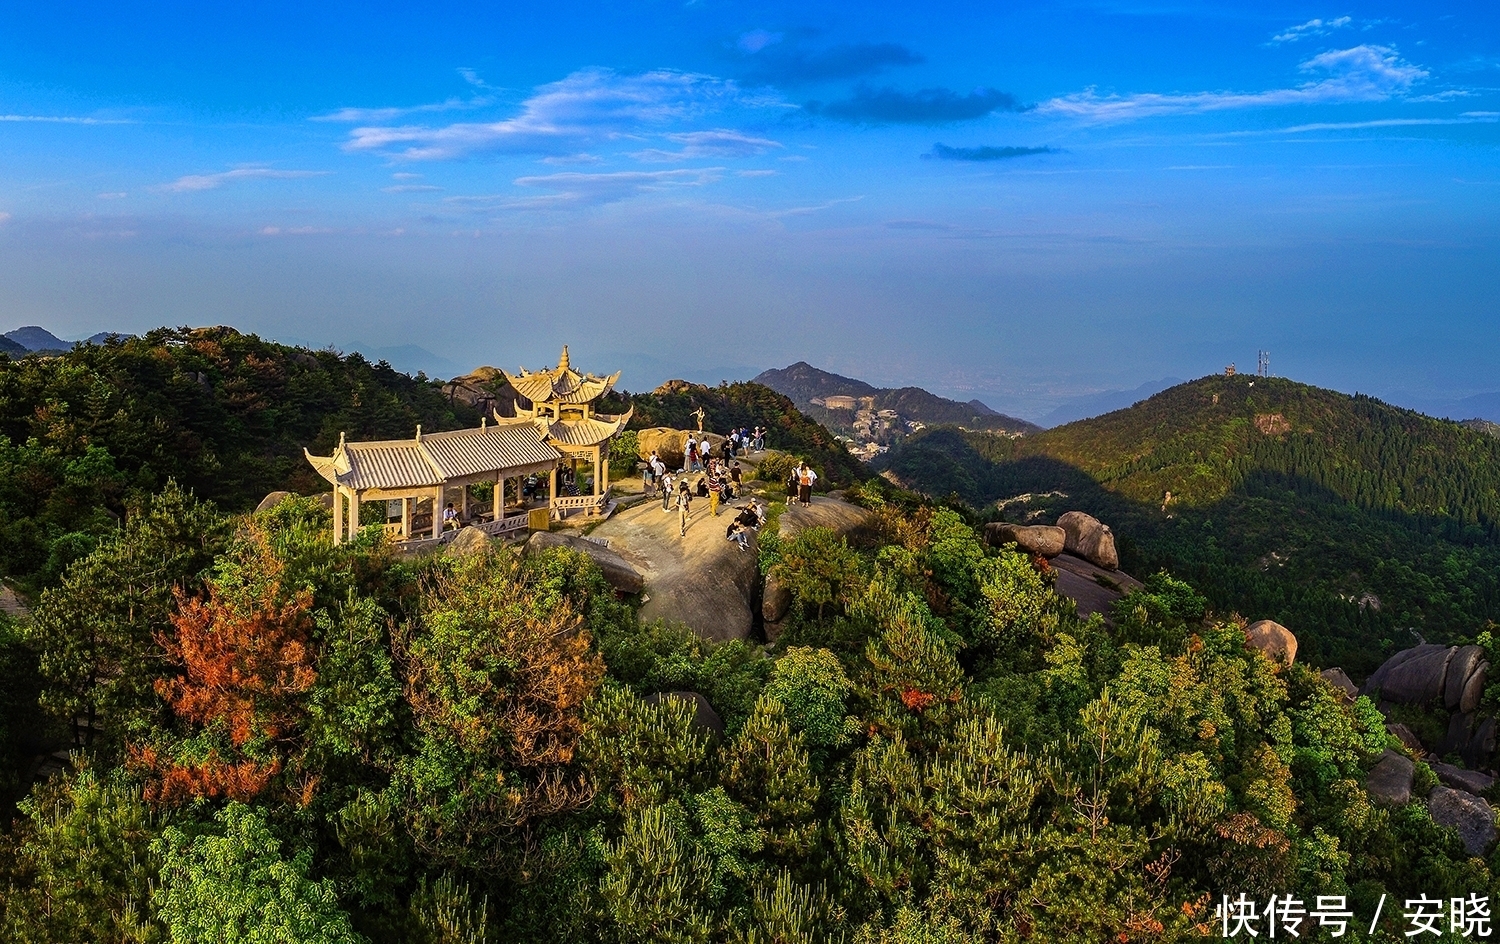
1340,680
1273,639
1458,778
1046,540
1390,780
1090,539
776,599
671,444
468,541
1092,588
620,573
1453,676
840,517
1472,817
272,500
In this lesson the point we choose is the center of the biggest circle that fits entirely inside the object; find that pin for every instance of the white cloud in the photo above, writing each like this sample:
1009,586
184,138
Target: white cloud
589,105
117,195
720,143
573,189
755,173
196,182
1469,119
411,188
1361,74
1315,27
406,176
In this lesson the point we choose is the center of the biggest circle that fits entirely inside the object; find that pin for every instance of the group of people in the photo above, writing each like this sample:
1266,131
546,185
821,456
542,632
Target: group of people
697,453
720,482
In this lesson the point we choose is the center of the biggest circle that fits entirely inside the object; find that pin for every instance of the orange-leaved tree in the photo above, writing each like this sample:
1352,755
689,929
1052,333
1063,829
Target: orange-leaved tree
244,665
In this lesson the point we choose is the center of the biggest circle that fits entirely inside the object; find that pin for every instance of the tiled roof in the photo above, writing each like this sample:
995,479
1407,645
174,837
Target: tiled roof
586,432
470,451
435,458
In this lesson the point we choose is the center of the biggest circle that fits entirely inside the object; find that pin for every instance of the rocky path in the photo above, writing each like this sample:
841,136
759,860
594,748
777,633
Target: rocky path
701,578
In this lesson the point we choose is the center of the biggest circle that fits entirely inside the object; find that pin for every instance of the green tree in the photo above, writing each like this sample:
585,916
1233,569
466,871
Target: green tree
767,768
820,569
657,883
95,633
639,754
233,885
811,686
84,865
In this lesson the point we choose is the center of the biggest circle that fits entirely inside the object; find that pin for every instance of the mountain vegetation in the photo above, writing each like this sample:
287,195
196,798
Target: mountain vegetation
278,739
1354,521
302,742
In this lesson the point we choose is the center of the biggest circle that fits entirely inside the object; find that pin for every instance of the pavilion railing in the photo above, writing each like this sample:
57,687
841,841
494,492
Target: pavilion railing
593,504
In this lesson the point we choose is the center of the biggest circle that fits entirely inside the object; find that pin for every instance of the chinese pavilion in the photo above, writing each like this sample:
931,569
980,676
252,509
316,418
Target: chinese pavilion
559,403
554,422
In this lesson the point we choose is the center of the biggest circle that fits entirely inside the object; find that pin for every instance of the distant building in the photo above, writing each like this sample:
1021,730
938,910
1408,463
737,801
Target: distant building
839,403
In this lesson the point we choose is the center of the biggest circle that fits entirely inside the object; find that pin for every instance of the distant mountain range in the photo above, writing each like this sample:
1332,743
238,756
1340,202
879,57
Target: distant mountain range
33,339
804,383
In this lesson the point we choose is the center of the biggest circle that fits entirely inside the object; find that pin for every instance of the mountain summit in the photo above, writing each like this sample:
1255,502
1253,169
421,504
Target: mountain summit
810,387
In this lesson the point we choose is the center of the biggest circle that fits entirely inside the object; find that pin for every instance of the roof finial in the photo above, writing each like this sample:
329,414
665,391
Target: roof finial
562,362
341,439
419,432
484,422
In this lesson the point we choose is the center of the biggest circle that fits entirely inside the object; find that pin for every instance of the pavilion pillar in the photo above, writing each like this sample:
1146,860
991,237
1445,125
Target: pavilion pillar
437,512
463,502
604,471
406,504
354,499
597,451
338,515
552,486
499,497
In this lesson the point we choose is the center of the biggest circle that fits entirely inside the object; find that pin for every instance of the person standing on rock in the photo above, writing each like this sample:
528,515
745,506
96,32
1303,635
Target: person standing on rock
760,439
735,475
684,508
715,492
689,454
664,484
806,478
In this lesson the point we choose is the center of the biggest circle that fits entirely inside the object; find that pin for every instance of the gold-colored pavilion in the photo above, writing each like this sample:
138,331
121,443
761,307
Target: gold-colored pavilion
555,422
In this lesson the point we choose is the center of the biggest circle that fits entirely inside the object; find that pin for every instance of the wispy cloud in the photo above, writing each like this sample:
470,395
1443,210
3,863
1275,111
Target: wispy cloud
869,105
66,120
770,60
1361,74
577,189
587,106
411,188
1469,118
454,103
985,153
1314,27
192,183
719,143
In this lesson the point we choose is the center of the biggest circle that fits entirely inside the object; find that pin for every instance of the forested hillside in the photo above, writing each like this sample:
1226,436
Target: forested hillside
1342,516
288,741
224,414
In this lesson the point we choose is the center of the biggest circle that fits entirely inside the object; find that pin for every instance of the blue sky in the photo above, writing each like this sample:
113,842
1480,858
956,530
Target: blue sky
1016,202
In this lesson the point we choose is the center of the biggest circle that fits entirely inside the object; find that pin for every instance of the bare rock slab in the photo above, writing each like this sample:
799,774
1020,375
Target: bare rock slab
1390,780
1341,681
1471,781
1407,737
1046,540
1090,539
468,541
620,573
1275,640
1472,817
840,517
272,500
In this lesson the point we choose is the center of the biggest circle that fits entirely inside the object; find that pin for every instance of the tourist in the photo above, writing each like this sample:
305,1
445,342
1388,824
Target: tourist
703,486
450,518
760,439
792,484
735,475
806,477
736,533
666,491
690,454
715,492
749,517
684,508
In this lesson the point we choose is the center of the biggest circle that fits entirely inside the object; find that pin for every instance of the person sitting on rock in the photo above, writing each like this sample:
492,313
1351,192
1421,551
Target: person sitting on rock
739,534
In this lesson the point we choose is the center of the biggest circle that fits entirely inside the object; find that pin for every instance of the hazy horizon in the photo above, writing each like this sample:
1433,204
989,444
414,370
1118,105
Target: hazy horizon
1021,206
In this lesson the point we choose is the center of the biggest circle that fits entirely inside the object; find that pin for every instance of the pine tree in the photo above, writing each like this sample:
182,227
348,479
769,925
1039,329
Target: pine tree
767,768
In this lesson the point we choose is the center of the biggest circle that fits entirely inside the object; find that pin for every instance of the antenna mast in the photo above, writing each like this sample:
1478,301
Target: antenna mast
1263,364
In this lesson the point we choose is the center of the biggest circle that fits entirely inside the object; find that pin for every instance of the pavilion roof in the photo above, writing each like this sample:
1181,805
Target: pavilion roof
434,458
561,384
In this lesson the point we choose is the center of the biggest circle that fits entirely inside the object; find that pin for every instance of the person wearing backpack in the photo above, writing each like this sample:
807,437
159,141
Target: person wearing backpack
715,492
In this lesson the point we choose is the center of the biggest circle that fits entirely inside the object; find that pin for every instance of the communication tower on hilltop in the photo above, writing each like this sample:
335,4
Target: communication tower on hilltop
1263,364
